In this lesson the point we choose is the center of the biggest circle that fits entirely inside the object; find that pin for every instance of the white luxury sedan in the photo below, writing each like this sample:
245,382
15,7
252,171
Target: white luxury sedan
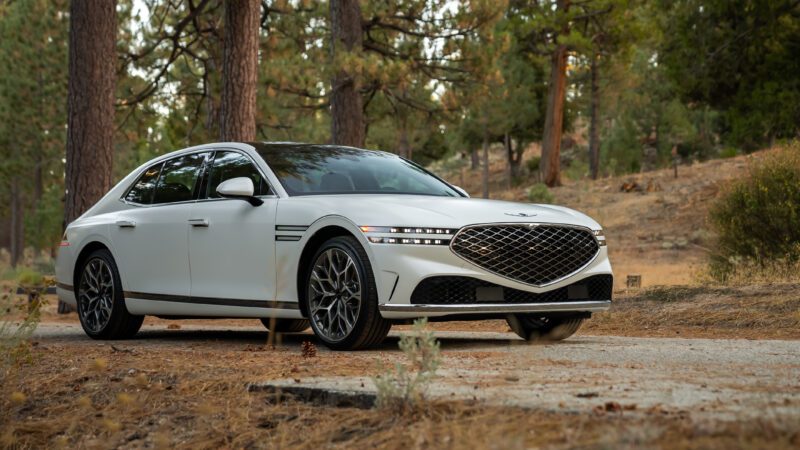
344,240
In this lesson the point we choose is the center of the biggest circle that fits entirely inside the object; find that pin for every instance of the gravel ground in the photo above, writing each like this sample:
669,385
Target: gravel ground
722,379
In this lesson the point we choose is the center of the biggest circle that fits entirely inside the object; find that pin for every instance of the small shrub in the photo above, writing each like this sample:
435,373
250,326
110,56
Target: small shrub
538,193
757,220
29,278
403,388
533,164
728,152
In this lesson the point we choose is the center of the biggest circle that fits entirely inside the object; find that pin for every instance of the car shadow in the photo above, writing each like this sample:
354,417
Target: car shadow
197,338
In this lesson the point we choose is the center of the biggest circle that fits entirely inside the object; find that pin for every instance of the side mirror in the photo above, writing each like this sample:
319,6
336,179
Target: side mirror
241,188
461,191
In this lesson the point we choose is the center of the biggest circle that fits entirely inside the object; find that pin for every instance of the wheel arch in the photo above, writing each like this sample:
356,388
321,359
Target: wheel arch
312,245
87,250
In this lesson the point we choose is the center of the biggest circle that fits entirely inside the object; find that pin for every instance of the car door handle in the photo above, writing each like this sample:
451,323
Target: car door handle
198,222
126,223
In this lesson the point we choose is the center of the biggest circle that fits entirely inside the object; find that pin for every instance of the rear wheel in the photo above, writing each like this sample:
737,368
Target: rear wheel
286,325
341,297
533,327
101,305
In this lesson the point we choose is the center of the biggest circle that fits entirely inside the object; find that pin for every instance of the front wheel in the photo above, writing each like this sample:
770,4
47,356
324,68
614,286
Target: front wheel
533,327
341,297
101,305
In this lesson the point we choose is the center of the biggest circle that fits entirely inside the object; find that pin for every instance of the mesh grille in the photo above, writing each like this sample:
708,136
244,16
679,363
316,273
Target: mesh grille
536,255
462,290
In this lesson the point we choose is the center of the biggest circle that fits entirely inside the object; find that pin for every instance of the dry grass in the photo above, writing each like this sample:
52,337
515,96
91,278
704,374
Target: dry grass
761,311
90,396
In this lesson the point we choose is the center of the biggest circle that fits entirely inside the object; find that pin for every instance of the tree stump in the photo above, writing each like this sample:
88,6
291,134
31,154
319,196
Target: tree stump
634,281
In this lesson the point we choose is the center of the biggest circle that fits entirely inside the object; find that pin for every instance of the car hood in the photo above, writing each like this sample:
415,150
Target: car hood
429,211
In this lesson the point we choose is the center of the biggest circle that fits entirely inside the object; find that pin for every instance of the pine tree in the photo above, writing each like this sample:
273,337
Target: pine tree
90,104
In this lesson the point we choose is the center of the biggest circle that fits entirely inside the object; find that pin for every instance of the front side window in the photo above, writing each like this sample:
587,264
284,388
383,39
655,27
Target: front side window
178,179
229,165
142,190
316,170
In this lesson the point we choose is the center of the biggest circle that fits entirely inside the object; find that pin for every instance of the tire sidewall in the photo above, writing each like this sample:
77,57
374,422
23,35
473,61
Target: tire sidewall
118,308
369,300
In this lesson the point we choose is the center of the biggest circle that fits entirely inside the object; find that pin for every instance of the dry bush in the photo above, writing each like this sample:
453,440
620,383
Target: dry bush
18,321
403,388
757,220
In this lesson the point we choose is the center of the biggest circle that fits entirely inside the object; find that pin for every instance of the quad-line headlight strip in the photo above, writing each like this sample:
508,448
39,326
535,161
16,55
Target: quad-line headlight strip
430,236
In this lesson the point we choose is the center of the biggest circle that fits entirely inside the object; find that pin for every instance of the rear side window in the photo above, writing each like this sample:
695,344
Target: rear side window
142,191
178,179
229,165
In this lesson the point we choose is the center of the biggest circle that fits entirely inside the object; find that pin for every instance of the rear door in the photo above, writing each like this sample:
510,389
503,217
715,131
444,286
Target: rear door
232,243
150,238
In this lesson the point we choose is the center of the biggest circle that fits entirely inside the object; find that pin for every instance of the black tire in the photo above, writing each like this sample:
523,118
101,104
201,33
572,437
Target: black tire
120,324
370,328
286,325
543,328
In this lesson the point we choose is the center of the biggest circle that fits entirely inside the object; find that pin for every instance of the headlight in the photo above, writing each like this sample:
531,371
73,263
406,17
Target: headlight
408,235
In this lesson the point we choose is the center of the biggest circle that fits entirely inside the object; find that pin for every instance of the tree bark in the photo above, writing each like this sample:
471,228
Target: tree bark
239,70
475,159
347,111
90,104
485,162
554,119
17,231
510,173
404,145
594,131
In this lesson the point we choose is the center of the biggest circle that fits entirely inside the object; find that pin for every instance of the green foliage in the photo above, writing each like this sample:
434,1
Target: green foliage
539,193
403,389
748,65
29,278
533,164
728,152
757,221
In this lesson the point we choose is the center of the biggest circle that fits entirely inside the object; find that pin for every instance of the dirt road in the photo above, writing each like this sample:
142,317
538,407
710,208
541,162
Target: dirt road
720,379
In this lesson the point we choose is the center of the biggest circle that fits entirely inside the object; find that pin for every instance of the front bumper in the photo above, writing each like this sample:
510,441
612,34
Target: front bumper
496,308
402,267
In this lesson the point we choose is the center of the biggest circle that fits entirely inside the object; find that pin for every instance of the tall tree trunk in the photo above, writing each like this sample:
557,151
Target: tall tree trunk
90,103
17,231
554,119
475,159
37,155
594,131
239,70
347,113
405,147
510,172
485,162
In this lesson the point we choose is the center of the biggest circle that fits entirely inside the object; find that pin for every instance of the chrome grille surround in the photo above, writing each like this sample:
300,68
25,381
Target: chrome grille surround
554,251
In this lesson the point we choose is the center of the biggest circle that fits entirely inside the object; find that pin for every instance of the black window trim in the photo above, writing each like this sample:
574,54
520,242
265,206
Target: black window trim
213,151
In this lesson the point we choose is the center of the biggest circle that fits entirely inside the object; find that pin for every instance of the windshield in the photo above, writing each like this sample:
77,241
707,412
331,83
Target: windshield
319,170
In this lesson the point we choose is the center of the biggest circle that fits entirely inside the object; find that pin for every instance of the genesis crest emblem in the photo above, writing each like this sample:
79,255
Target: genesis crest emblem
521,214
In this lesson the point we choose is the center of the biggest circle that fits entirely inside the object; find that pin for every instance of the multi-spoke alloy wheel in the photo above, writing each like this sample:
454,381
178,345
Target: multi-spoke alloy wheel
341,298
101,306
334,294
96,294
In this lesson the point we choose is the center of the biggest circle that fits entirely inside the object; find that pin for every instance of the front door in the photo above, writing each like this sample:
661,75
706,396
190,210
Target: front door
232,243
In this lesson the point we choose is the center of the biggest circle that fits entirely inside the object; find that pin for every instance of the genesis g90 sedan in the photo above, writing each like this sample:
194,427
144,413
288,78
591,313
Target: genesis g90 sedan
344,240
